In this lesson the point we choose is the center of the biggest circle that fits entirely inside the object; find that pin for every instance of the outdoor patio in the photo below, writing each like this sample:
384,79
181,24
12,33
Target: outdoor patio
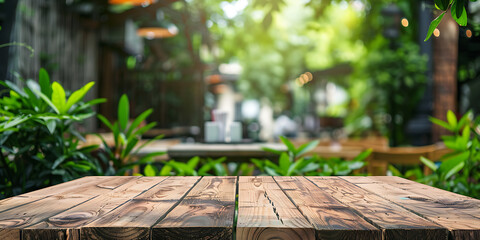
289,117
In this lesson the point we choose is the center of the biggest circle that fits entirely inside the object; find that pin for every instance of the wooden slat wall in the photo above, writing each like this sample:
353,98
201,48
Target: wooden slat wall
62,45
176,102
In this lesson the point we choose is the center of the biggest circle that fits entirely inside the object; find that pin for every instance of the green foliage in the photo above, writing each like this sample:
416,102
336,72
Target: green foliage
457,8
458,171
390,74
199,167
290,163
121,156
38,139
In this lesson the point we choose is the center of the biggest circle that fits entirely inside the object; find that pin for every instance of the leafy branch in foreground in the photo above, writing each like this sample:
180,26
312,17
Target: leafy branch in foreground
457,8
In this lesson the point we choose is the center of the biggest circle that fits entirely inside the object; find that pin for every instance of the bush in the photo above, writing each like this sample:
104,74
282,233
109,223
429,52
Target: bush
38,142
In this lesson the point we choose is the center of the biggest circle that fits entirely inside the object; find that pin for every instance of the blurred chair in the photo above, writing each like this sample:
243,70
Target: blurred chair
409,156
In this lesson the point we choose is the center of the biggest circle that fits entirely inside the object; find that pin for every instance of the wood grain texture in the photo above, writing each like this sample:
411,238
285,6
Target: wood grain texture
207,212
331,219
395,221
268,208
457,213
64,188
68,222
10,234
90,186
134,219
58,200
265,212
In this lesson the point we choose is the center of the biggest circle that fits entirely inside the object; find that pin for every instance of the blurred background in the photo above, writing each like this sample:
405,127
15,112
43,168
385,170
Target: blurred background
303,69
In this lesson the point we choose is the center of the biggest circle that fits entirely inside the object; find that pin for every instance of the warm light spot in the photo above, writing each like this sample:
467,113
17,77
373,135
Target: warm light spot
468,33
219,89
214,79
304,78
436,32
404,22
132,2
151,33
309,76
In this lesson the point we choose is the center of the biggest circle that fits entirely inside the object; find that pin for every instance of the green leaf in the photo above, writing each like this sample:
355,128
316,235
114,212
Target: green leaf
51,124
284,162
166,170
441,123
149,171
58,97
433,25
271,150
138,121
466,135
289,145
270,171
130,145
442,4
105,121
193,162
394,171
260,164
428,163
452,119
44,81
78,95
15,121
143,129
146,143
452,165
48,101
363,155
307,147
123,112
14,88
59,161
459,13
294,167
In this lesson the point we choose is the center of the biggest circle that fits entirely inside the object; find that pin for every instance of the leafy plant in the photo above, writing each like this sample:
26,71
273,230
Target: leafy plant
291,162
457,8
121,157
38,139
391,72
193,167
458,171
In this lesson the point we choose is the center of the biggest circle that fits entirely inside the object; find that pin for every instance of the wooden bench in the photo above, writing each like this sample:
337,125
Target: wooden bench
240,208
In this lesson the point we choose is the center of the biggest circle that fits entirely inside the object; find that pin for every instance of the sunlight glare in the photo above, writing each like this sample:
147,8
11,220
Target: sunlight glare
232,9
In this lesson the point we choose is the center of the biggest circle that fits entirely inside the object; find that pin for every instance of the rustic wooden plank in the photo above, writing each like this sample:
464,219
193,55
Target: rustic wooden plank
207,212
9,234
418,188
395,221
133,219
457,213
88,186
57,200
265,212
30,197
68,222
331,219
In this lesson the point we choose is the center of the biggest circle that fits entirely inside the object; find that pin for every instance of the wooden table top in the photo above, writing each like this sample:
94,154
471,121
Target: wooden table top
268,208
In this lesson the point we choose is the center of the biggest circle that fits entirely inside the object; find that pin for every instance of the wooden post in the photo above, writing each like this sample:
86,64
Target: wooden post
445,54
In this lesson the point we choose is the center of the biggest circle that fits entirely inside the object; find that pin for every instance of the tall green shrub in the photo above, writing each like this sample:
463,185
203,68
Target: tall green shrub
38,138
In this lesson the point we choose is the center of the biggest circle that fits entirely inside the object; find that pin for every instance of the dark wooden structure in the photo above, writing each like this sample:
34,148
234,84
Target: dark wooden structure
243,207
